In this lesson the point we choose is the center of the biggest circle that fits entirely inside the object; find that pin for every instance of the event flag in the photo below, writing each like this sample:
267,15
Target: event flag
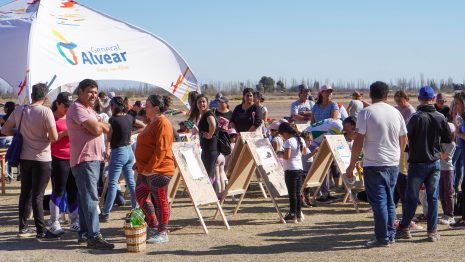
61,42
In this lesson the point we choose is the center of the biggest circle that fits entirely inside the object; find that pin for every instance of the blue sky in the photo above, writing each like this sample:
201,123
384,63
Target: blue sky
335,40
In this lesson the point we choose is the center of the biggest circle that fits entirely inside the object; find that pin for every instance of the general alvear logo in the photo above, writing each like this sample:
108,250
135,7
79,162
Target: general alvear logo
109,54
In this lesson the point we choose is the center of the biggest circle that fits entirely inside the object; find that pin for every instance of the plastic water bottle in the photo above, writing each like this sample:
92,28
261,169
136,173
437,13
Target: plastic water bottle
137,217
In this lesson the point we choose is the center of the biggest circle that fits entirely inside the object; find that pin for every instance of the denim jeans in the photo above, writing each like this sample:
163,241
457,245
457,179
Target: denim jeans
86,175
458,166
422,173
121,159
380,184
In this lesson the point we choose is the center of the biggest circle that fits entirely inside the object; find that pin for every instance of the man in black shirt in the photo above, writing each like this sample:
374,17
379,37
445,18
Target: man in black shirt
427,129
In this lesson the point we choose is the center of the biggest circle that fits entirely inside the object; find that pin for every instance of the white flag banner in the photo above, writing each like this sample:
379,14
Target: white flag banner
61,42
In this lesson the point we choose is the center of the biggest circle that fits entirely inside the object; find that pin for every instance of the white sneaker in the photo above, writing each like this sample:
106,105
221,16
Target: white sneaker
301,218
74,227
445,220
56,228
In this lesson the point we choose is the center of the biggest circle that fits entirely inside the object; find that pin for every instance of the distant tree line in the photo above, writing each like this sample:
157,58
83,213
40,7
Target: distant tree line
267,84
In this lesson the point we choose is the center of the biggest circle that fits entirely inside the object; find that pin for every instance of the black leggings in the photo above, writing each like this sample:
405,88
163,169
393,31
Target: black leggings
34,179
63,179
209,161
293,179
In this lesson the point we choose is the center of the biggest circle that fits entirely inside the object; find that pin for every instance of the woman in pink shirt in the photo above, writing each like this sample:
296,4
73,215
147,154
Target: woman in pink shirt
62,179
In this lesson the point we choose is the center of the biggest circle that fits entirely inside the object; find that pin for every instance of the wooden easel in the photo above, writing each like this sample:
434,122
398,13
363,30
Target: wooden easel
243,165
196,182
333,148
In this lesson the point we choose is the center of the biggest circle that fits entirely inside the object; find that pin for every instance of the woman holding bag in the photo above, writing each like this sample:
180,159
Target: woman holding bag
38,129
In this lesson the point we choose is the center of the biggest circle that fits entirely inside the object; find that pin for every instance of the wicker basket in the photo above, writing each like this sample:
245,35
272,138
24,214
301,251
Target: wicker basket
135,238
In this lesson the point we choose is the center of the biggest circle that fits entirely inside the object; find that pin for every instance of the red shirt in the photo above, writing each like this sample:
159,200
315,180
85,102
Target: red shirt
60,148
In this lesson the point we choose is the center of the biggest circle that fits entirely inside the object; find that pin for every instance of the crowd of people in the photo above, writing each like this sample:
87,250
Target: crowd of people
405,154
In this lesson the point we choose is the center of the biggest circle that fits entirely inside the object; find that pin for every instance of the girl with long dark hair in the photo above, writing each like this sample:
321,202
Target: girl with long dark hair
294,148
247,116
208,136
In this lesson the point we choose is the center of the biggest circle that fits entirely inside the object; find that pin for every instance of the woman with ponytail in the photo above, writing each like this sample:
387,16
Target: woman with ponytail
294,148
119,153
62,180
155,167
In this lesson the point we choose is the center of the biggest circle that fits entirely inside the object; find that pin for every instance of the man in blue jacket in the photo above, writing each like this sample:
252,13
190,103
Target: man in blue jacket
427,129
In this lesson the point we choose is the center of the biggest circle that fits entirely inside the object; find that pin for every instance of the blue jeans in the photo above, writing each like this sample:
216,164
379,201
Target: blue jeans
380,183
121,159
422,173
86,175
458,166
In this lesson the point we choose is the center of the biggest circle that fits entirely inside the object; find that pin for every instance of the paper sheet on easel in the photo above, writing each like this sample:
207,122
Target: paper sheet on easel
344,154
192,164
265,155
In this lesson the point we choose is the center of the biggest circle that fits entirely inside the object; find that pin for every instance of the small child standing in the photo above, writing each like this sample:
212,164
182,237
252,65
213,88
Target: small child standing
307,161
446,181
294,148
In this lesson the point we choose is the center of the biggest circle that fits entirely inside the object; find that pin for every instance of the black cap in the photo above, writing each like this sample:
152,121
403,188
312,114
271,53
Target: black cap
138,103
303,88
65,98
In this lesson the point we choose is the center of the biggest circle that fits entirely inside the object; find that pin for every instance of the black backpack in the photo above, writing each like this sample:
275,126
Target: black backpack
224,143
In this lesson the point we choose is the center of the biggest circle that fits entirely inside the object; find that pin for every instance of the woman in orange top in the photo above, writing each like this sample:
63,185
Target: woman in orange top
155,166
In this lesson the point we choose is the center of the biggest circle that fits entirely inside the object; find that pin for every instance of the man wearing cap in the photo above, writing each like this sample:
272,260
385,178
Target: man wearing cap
441,107
214,102
427,129
301,110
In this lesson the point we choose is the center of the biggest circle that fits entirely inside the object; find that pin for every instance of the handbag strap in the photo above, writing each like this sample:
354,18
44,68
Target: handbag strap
21,118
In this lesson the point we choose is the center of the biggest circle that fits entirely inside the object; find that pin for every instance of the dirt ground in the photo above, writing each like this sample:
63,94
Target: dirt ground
331,232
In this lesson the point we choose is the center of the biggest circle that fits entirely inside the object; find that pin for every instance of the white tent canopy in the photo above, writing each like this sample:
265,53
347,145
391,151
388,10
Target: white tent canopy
60,42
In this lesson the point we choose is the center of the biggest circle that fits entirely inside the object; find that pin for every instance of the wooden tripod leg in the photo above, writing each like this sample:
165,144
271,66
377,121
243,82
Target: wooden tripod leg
260,184
174,190
346,196
316,193
223,217
238,204
223,197
202,222
246,186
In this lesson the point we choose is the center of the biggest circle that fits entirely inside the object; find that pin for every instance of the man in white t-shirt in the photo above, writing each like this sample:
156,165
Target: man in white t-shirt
382,134
301,110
